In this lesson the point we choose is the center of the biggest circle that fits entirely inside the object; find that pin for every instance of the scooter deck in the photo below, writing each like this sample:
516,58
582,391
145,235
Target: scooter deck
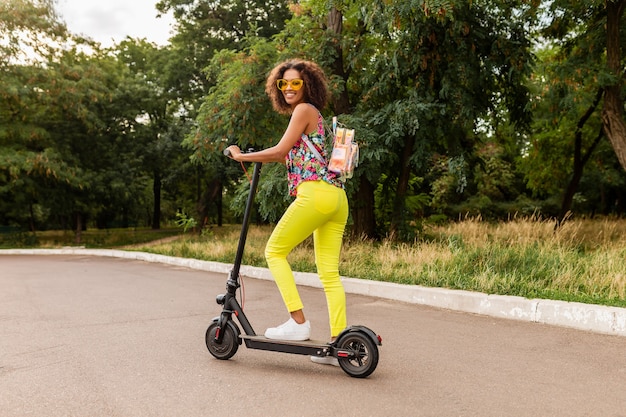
306,347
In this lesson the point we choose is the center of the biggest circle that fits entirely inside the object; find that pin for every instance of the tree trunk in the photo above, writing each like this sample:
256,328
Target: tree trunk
580,160
398,220
31,219
362,209
212,196
362,205
572,187
613,112
219,204
79,228
341,104
156,209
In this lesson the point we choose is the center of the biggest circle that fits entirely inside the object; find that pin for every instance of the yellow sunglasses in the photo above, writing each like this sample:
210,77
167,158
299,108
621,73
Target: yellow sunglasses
296,84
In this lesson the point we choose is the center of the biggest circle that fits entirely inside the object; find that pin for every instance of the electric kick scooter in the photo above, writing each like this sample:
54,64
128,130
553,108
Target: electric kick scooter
356,348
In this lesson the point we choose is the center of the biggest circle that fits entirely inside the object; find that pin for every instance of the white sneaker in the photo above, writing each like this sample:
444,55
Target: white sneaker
290,330
325,360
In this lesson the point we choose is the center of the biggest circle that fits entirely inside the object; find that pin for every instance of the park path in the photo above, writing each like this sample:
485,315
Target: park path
94,336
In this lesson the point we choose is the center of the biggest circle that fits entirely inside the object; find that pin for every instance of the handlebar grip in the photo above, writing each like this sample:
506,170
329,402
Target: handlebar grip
227,152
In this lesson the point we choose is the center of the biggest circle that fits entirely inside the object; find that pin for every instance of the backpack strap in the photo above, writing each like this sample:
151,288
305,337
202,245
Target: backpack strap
313,149
306,140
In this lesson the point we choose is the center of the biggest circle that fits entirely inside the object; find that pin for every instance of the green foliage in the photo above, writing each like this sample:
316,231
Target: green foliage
13,237
570,75
416,204
420,73
29,31
186,222
494,176
441,93
109,238
206,28
68,141
271,199
272,195
236,110
448,180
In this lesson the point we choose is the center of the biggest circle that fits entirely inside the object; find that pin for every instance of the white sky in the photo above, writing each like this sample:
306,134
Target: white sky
110,21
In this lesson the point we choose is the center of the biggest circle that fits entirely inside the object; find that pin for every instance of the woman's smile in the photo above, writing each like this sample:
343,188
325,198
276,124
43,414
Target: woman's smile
293,97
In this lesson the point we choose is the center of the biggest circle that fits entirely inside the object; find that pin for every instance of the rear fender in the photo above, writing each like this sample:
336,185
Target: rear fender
361,329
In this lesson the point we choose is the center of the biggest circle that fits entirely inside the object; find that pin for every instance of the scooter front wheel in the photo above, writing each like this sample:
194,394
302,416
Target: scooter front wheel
229,345
357,354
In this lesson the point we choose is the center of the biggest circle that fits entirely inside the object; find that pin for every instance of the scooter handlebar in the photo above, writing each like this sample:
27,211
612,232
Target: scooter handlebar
227,152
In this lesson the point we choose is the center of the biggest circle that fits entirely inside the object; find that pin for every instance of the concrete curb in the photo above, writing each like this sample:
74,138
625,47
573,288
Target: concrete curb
587,317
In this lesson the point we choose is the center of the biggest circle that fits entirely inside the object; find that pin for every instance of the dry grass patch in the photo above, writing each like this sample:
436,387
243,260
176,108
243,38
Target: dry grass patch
581,261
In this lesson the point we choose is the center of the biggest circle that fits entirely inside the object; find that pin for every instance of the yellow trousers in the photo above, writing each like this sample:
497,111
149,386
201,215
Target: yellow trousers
321,209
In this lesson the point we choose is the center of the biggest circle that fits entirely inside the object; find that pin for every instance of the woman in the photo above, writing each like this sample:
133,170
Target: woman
298,88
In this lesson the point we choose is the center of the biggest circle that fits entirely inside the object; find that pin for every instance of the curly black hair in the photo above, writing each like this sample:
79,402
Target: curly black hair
315,84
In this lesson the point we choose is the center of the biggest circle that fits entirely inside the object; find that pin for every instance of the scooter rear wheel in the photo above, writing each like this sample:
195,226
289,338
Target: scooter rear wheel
229,345
363,357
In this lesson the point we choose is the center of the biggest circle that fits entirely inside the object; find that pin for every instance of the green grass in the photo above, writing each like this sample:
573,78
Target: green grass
92,238
584,261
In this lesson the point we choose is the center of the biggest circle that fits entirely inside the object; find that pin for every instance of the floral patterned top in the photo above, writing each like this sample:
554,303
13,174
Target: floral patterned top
303,165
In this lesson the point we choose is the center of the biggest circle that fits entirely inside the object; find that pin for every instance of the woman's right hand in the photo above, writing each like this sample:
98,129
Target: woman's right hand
233,152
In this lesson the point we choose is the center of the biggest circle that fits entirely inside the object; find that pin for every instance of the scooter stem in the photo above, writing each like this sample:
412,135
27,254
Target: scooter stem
233,280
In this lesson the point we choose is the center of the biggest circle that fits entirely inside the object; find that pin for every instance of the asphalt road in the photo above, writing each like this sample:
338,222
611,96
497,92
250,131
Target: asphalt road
92,336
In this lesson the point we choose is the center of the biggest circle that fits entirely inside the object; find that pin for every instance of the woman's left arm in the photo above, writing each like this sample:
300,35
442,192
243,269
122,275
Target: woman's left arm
299,123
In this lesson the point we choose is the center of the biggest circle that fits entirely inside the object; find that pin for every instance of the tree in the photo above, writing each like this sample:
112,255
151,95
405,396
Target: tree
413,81
581,88
592,29
440,73
422,74
92,123
30,31
28,161
157,137
613,111
236,111
203,30
67,128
